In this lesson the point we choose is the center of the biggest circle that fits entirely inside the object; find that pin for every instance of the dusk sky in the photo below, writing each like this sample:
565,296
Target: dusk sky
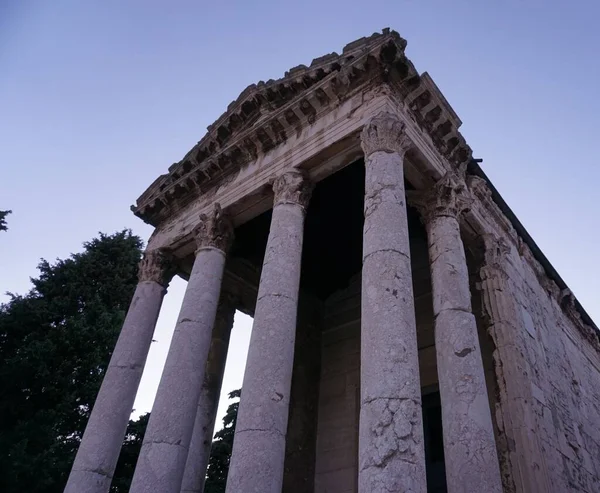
98,98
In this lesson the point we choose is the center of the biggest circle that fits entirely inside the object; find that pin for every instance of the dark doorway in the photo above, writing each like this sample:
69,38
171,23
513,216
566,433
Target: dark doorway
434,444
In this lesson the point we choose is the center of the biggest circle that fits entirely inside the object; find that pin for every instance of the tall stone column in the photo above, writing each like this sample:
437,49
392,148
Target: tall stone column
98,452
164,450
199,452
391,453
469,444
524,467
259,445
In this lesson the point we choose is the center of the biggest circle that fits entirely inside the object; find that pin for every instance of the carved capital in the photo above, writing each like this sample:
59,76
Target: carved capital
292,188
495,256
214,230
448,197
479,188
385,132
157,266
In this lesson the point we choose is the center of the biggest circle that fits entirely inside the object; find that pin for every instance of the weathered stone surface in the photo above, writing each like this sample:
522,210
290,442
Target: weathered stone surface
101,443
469,445
214,230
258,454
523,460
292,188
200,444
164,450
391,454
384,133
156,266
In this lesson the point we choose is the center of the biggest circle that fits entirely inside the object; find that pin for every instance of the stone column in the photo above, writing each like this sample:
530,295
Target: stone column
525,469
197,459
259,445
164,450
98,452
391,453
469,444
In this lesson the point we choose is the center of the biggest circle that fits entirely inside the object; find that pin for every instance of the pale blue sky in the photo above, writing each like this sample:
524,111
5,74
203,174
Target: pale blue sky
97,98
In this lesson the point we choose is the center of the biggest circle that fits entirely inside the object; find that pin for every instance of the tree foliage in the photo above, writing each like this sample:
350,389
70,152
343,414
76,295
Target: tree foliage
3,214
55,344
220,453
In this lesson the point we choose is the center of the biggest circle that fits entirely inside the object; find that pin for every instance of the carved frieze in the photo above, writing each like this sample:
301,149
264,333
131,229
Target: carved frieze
214,230
292,187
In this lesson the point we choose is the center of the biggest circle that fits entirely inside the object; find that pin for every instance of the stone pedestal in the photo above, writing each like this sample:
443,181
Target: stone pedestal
259,446
98,452
199,452
165,448
469,444
391,453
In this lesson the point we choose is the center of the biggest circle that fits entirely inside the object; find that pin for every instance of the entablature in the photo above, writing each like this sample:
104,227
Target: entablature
267,114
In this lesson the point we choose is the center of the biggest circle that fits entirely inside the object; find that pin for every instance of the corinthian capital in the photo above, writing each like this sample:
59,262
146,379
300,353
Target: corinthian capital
157,266
214,230
292,188
448,197
384,132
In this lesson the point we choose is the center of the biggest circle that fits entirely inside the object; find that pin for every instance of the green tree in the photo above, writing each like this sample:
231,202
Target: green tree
3,215
55,344
220,453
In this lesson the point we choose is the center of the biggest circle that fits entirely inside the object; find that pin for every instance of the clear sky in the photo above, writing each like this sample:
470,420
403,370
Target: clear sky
99,97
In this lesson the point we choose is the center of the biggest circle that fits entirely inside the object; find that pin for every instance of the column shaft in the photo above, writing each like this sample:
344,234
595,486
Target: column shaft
259,446
391,453
200,445
164,450
98,452
469,444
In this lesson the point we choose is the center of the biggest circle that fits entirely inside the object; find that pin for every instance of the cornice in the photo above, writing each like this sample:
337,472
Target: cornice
267,113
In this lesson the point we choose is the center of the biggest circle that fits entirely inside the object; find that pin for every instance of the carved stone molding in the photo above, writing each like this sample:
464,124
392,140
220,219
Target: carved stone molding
157,266
292,187
214,230
384,132
495,257
479,187
448,197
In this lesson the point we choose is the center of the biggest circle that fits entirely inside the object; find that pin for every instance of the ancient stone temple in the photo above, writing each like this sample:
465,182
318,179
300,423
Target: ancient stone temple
409,335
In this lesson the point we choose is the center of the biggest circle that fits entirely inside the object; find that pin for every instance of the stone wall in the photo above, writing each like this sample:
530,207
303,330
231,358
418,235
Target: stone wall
564,378
339,395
